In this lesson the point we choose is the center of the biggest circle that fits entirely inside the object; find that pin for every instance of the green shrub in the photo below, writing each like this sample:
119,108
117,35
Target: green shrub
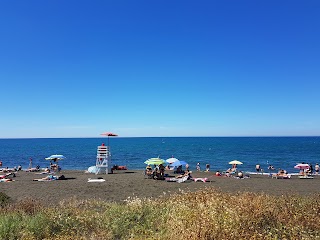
10,226
206,214
4,199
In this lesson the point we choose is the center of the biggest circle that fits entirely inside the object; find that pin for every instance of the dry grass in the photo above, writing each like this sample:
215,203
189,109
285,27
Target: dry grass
206,214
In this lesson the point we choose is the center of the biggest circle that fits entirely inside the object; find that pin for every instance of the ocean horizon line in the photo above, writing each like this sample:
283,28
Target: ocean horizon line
275,136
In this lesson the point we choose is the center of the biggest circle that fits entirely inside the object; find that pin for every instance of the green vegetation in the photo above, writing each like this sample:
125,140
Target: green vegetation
206,214
4,199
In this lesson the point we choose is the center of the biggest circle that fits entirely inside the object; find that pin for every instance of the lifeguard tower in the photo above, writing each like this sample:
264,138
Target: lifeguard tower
103,163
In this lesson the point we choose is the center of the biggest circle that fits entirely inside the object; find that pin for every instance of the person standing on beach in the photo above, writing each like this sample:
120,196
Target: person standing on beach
258,168
270,168
0,163
198,167
316,168
310,168
30,163
207,167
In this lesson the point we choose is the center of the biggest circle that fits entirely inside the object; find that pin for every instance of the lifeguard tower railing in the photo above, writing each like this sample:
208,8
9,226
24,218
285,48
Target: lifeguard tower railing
103,162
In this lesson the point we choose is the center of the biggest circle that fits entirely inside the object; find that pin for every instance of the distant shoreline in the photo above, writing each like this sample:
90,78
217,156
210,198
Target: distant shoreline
8,138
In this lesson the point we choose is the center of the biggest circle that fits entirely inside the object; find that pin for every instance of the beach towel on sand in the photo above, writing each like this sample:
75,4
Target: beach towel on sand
96,180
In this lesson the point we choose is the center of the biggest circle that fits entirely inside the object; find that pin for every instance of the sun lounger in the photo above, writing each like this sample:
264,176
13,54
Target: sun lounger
305,177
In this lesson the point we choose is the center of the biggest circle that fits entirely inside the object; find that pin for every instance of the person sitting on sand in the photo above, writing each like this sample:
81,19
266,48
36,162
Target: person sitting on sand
161,171
168,167
240,174
36,169
148,171
178,170
187,167
218,173
186,173
232,170
53,167
281,174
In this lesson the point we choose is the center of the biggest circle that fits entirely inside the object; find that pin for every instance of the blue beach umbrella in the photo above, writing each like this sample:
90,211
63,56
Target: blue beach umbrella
179,163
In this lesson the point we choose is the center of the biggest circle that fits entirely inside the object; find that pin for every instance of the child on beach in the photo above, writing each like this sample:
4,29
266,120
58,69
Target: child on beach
207,167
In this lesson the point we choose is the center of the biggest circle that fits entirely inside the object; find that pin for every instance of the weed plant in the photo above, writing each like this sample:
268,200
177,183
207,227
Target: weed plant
206,214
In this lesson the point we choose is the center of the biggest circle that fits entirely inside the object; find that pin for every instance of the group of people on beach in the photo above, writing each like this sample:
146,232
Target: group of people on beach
157,172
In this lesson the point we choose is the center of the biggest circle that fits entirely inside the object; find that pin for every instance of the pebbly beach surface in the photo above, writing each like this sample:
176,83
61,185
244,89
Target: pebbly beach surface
124,184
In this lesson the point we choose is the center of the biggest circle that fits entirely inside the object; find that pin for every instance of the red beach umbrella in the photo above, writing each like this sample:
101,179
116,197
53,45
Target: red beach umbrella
109,134
302,166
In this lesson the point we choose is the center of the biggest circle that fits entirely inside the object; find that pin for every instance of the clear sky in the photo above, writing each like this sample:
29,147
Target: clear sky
73,68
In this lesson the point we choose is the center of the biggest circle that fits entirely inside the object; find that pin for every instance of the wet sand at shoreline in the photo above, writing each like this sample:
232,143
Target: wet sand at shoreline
123,184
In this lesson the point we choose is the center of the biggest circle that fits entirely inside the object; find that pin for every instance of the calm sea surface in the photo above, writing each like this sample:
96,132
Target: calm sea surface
80,153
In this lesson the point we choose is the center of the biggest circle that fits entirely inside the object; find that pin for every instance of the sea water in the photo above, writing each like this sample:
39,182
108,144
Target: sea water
80,153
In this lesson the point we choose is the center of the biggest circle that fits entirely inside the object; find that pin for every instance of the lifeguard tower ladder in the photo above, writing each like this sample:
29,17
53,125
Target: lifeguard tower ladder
103,163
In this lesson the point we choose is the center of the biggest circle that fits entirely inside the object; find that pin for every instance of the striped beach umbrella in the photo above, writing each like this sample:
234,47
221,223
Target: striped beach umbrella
155,161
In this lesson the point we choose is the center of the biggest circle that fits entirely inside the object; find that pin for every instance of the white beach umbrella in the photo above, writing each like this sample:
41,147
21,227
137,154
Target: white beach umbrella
235,162
172,160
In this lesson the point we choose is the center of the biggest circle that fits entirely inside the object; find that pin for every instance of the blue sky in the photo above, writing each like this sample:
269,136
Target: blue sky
159,68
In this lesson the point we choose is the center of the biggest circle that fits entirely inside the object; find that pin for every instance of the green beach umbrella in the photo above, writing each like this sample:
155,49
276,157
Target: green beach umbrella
155,161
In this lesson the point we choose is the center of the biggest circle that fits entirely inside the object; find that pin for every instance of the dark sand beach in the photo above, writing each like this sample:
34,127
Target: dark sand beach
123,184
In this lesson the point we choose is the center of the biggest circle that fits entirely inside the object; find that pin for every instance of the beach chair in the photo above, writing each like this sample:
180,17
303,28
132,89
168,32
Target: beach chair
305,177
